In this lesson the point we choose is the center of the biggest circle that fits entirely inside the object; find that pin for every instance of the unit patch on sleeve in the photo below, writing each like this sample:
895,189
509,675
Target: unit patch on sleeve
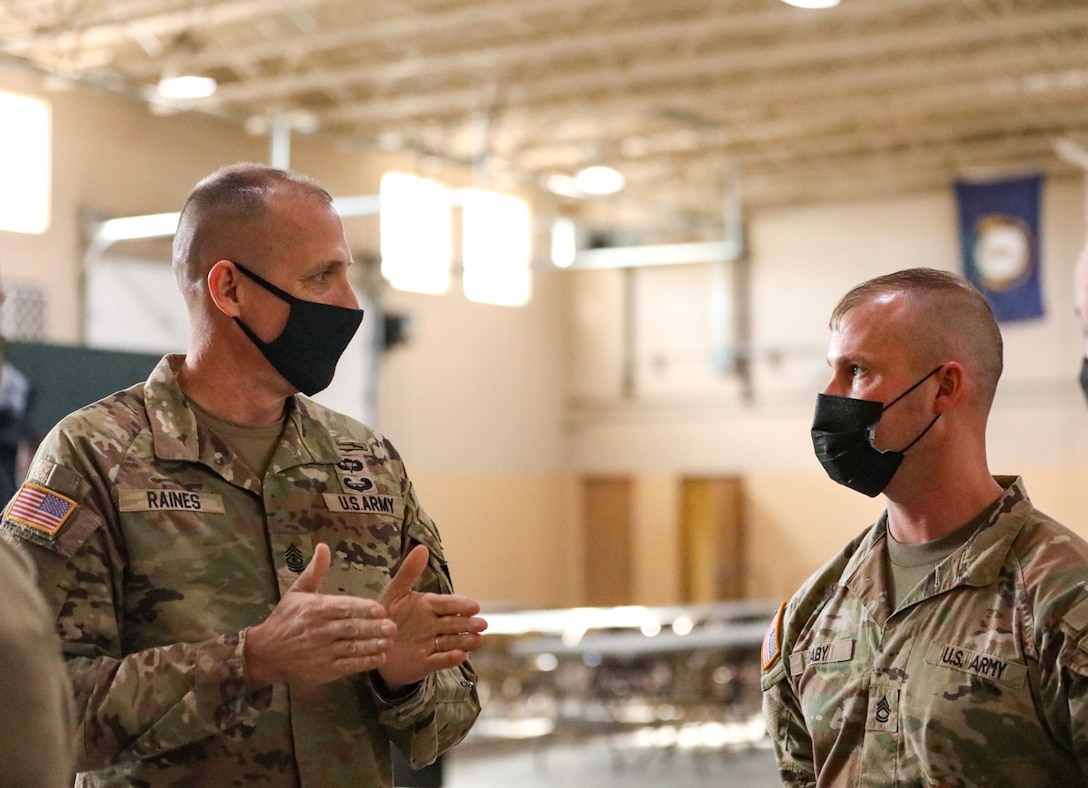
40,508
772,641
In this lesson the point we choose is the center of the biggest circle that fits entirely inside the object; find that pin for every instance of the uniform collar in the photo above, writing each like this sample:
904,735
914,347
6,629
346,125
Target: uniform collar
977,563
177,436
980,560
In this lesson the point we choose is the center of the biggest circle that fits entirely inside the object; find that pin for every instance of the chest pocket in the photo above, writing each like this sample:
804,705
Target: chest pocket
370,502
821,654
823,671
355,570
967,662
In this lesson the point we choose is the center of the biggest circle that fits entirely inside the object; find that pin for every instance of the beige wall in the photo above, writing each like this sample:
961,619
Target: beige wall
685,421
498,412
511,539
474,403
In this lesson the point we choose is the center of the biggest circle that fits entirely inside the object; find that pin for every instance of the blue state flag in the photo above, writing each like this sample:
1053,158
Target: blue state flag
999,238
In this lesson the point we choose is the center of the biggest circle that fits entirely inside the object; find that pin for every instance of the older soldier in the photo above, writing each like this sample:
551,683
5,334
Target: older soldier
948,643
232,566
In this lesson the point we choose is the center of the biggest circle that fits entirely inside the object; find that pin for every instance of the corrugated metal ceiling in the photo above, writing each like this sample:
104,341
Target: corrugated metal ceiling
871,97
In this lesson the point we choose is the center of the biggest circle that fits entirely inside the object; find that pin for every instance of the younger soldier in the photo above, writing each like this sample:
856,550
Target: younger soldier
948,643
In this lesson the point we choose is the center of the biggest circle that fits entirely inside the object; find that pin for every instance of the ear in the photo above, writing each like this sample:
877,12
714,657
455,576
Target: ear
951,385
223,288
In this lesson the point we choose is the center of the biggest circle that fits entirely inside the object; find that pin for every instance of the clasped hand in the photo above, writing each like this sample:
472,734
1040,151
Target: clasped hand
315,638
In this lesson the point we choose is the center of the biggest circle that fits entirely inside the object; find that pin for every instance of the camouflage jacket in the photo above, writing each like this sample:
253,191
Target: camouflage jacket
35,697
979,678
157,549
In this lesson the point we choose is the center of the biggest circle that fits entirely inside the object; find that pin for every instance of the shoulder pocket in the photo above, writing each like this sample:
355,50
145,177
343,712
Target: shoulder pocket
770,655
1075,624
47,510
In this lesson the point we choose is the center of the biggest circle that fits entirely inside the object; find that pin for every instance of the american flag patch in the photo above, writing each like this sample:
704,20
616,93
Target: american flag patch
772,641
40,508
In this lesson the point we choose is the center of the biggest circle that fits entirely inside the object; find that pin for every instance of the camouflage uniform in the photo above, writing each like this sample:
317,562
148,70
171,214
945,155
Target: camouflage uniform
173,547
979,678
35,699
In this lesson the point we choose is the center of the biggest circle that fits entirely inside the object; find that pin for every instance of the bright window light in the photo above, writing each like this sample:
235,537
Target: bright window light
24,164
497,249
415,233
152,225
812,3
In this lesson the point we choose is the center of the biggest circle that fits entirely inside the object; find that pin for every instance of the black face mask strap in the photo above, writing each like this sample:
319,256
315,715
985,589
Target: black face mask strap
277,291
905,393
904,451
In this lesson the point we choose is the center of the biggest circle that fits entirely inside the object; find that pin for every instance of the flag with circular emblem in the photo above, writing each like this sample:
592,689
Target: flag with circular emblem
1000,243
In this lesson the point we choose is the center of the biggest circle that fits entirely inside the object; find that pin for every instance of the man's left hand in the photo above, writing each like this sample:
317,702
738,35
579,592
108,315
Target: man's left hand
434,631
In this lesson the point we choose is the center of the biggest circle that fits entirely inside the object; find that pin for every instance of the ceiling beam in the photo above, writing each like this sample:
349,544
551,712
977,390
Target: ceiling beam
541,79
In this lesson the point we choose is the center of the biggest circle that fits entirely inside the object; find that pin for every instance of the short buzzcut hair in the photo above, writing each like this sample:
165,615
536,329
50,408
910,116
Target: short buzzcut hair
222,206
951,320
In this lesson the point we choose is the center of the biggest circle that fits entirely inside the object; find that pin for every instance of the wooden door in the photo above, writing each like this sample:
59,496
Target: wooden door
607,539
712,539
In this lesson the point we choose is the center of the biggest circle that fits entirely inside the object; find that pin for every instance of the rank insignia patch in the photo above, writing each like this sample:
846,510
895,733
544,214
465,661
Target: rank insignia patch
772,641
40,508
293,558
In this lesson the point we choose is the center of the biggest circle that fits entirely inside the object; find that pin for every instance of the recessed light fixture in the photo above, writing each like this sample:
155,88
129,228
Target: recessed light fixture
599,180
187,87
561,185
812,3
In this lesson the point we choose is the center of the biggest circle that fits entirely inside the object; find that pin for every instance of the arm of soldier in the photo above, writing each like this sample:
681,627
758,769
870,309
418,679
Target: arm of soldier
782,709
1063,685
789,736
36,724
439,712
142,704
127,705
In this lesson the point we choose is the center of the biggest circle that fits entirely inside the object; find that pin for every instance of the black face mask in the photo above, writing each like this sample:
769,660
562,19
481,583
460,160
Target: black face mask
843,430
312,341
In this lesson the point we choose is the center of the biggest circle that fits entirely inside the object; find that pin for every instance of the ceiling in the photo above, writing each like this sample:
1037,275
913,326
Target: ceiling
685,97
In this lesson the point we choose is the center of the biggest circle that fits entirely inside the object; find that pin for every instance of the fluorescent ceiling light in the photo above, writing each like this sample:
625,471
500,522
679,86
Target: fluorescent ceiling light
599,180
562,185
187,87
812,3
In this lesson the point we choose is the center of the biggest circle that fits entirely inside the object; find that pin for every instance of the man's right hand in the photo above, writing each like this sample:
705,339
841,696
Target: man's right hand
313,638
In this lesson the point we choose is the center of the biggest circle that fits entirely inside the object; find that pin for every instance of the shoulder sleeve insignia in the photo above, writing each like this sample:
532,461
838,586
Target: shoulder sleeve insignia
40,508
772,641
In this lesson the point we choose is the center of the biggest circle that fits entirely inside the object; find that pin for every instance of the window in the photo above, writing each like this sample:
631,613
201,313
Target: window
25,143
497,249
415,233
